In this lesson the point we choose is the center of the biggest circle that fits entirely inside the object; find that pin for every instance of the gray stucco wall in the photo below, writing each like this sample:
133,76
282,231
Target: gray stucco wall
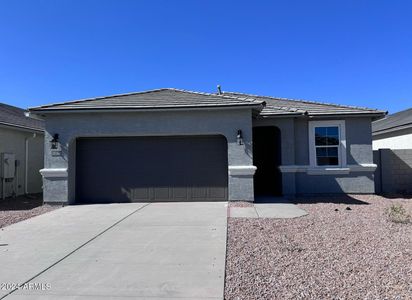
355,183
294,147
36,163
205,122
359,140
13,141
295,152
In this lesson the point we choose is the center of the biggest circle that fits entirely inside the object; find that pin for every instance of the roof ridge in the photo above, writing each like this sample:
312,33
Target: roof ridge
392,127
393,121
98,98
11,107
288,109
401,112
14,116
311,102
248,99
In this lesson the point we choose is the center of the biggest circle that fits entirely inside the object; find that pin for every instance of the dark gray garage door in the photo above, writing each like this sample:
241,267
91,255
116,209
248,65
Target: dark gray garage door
147,169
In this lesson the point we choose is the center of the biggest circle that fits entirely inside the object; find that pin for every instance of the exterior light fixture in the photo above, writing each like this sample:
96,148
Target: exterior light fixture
239,137
55,141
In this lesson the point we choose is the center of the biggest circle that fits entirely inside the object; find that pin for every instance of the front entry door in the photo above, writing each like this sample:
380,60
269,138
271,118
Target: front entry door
267,159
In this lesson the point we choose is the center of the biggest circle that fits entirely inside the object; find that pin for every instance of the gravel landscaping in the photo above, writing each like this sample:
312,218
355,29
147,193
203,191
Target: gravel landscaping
240,204
13,210
346,248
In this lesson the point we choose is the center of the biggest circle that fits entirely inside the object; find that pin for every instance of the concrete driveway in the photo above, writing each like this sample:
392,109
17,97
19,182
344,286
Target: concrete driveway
117,251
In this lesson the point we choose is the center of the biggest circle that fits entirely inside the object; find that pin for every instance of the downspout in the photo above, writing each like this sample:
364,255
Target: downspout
26,162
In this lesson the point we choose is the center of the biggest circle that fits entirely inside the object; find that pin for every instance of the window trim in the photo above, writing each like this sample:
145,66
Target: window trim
341,147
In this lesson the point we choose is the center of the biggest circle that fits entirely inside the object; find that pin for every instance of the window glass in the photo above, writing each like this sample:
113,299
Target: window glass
327,145
326,136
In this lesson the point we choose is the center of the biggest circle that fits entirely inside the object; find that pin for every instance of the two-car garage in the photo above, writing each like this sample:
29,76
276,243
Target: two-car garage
149,169
157,145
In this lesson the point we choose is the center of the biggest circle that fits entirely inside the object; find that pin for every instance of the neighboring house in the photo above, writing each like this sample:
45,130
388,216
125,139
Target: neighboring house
176,145
392,145
21,152
393,132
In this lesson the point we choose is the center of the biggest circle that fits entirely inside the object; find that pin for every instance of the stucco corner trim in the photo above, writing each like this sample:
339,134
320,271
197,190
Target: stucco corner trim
242,170
54,173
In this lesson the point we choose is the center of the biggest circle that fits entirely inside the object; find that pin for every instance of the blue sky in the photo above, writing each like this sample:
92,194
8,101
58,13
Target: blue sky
347,52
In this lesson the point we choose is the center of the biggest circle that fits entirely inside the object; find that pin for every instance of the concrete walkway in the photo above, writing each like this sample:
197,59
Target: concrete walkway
279,209
118,251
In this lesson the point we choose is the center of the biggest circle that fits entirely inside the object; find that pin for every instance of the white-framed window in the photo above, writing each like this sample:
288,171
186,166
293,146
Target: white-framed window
327,143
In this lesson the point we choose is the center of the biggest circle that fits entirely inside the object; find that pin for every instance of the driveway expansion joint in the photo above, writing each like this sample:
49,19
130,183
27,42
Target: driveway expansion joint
257,213
76,249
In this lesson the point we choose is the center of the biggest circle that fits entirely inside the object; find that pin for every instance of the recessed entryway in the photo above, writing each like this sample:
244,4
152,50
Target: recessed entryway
151,169
267,159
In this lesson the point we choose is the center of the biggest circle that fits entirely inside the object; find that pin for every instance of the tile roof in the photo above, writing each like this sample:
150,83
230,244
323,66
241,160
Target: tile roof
176,98
154,99
275,105
14,116
397,121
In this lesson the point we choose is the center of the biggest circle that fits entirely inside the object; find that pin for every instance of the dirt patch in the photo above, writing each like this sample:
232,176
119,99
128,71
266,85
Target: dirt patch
342,250
13,210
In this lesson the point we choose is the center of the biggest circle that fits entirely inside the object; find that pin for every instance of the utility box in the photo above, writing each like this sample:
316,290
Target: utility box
8,165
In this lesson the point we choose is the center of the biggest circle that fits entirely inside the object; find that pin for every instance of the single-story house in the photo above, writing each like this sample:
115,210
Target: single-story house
393,132
177,145
21,152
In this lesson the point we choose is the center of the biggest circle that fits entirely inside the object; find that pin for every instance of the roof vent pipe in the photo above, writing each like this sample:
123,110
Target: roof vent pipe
219,90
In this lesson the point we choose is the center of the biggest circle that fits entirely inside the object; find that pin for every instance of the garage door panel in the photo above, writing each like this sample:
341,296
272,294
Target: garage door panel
179,193
199,192
140,194
218,193
143,169
161,193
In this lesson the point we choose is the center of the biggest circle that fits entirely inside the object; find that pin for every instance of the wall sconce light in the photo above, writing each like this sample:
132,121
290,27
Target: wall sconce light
239,137
55,141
